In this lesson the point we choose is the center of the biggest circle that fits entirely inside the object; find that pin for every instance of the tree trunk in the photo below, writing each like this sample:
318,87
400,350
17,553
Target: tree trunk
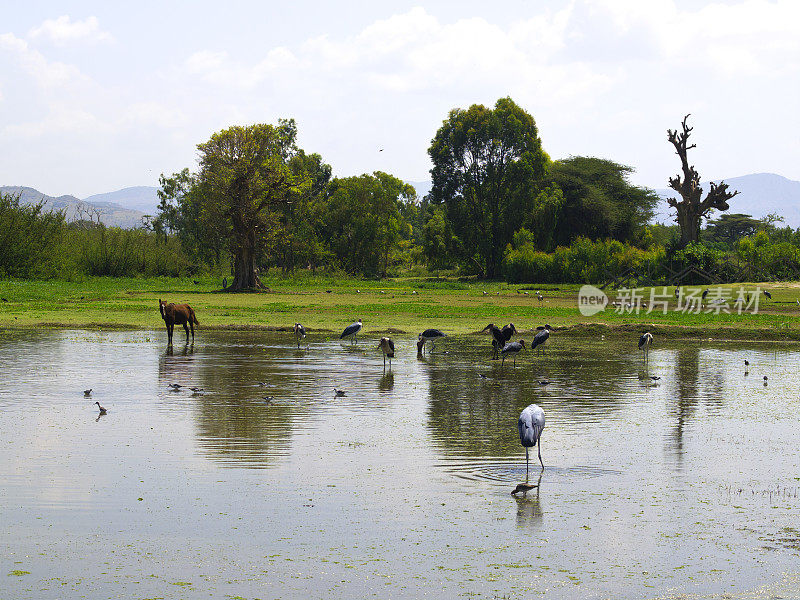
245,277
690,208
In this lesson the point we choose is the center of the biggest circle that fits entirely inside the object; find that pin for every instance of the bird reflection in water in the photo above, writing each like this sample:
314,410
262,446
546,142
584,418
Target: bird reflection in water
529,507
386,382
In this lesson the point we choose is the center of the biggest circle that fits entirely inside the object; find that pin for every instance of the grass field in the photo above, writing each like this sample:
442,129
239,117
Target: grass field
329,304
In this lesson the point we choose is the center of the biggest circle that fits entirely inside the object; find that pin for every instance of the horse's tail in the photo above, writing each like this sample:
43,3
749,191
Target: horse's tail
192,316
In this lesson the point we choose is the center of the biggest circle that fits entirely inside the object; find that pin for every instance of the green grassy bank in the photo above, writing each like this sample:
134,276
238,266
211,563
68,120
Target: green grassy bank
399,305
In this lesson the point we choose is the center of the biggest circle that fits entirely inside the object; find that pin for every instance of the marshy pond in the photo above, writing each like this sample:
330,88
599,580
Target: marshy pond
683,486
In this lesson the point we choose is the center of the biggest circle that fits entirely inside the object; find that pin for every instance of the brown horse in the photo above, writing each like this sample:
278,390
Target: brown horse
180,314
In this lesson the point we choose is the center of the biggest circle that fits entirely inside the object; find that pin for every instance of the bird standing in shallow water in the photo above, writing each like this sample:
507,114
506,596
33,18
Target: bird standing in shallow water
339,393
299,333
644,343
498,341
87,393
102,410
428,335
387,346
352,330
531,424
540,339
512,348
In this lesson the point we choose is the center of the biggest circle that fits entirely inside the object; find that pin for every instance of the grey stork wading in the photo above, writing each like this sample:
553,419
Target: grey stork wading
512,348
429,335
531,424
299,333
644,344
540,339
352,330
387,346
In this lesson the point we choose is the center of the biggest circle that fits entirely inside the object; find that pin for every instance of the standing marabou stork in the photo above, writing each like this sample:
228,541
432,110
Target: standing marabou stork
531,424
497,335
513,348
352,330
299,333
507,332
644,343
428,335
387,345
540,339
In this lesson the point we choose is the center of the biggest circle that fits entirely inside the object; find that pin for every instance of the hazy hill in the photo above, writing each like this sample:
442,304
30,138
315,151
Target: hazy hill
110,213
759,195
142,198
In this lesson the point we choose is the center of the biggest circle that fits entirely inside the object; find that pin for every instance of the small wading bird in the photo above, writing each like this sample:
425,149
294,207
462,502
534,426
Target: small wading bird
531,424
429,335
540,339
299,333
767,294
339,393
352,331
387,346
644,343
175,386
539,296
512,348
102,410
87,393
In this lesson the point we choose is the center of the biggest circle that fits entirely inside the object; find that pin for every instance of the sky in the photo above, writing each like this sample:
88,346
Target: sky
99,96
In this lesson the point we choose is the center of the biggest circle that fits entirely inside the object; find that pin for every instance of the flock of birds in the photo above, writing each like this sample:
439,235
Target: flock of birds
531,420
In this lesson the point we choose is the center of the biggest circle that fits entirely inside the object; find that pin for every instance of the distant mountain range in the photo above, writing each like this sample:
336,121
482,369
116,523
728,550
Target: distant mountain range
759,195
126,210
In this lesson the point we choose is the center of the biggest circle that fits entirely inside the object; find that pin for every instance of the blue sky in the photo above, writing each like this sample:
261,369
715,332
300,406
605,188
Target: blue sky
97,96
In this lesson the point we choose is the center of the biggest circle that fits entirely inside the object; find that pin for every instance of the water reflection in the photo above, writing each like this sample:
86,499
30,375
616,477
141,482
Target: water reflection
698,378
529,511
386,382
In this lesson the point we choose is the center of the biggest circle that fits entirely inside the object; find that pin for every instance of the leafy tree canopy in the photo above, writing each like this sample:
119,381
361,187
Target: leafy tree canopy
599,201
488,166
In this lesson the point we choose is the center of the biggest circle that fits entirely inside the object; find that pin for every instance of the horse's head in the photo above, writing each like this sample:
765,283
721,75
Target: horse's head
161,305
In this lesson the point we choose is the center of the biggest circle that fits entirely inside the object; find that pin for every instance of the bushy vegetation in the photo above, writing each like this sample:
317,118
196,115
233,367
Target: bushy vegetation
583,261
39,244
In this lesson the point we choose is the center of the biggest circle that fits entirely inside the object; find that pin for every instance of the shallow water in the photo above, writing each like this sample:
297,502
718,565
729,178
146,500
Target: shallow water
684,486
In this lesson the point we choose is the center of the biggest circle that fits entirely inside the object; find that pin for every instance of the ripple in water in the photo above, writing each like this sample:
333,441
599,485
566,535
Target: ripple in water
505,471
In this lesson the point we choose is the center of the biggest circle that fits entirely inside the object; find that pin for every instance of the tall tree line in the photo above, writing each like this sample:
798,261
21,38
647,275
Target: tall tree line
258,200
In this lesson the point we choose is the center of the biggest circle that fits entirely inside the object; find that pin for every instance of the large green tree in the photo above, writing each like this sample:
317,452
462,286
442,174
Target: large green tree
488,168
599,201
364,221
244,173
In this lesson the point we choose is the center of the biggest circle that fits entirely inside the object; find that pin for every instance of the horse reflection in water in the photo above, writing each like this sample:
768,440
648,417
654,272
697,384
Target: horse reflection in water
529,508
186,351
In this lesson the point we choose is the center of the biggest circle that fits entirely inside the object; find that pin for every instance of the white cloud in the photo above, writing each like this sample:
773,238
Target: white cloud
64,31
47,74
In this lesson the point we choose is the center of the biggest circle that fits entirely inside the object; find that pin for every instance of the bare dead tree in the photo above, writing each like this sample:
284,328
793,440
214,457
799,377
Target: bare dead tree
691,209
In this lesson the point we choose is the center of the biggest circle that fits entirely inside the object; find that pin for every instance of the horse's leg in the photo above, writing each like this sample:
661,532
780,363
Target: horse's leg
186,328
191,325
169,334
